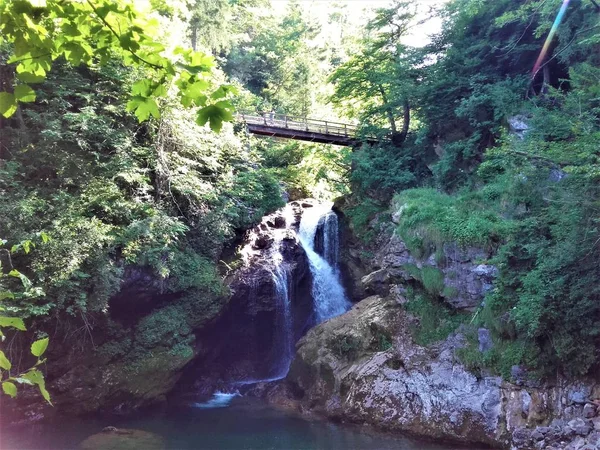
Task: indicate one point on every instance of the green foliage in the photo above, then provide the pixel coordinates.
(436, 320)
(361, 217)
(280, 63)
(31, 376)
(500, 359)
(96, 32)
(429, 219)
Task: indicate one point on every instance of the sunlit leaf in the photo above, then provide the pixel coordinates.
(39, 347)
(4, 362)
(9, 388)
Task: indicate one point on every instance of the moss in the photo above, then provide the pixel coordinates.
(430, 218)
(430, 277)
(114, 349)
(346, 346)
(449, 292)
(436, 320)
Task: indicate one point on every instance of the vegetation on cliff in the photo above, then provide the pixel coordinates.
(103, 150)
(496, 157)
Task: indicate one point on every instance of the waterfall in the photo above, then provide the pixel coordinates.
(328, 294)
(331, 239)
(284, 322)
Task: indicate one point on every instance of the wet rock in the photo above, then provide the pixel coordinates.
(252, 321)
(112, 438)
(376, 282)
(277, 222)
(262, 241)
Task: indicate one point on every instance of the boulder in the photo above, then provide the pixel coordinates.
(364, 367)
(376, 282)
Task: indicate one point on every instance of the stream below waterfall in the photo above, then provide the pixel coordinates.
(222, 423)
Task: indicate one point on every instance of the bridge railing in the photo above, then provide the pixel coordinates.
(299, 124)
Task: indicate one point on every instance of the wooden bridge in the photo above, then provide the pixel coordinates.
(301, 129)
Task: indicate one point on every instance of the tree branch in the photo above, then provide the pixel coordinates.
(118, 36)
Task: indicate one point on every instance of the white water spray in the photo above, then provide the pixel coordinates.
(328, 293)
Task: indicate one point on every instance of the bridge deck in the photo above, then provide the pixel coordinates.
(301, 129)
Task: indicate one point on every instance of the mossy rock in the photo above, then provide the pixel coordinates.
(112, 438)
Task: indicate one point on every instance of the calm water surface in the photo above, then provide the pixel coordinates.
(223, 423)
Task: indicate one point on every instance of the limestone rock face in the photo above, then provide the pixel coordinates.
(466, 277)
(365, 367)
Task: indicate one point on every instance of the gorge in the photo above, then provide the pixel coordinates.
(297, 224)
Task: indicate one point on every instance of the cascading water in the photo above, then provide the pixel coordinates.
(284, 317)
(331, 239)
(328, 294)
(289, 282)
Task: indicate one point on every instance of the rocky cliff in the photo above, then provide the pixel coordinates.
(367, 367)
(129, 357)
(250, 341)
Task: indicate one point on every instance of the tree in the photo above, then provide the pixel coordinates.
(94, 32)
(279, 64)
(377, 82)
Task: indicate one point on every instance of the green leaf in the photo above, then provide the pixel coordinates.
(24, 93)
(37, 3)
(196, 89)
(23, 381)
(29, 77)
(223, 91)
(13, 322)
(36, 377)
(9, 389)
(6, 294)
(141, 88)
(216, 115)
(8, 105)
(4, 362)
(143, 108)
(27, 244)
(39, 347)
(24, 280)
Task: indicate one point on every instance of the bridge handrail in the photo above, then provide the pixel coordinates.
(299, 123)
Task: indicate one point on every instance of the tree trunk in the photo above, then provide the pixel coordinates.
(194, 36)
(406, 119)
(388, 111)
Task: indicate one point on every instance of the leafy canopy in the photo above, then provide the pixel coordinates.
(95, 32)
